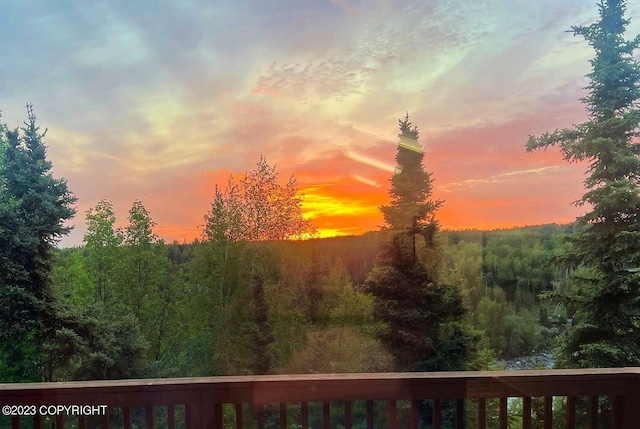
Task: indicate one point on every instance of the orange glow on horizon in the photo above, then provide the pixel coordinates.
(352, 208)
(342, 228)
(341, 196)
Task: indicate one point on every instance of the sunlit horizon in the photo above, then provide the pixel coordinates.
(374, 221)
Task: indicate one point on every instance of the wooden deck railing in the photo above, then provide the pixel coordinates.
(592, 398)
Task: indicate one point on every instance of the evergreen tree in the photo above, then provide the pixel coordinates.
(411, 187)
(33, 208)
(422, 318)
(606, 331)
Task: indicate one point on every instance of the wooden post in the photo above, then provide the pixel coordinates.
(627, 410)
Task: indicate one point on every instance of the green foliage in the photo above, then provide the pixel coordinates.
(98, 347)
(33, 209)
(102, 247)
(145, 290)
(511, 334)
(607, 325)
(230, 306)
(143, 264)
(214, 313)
(339, 349)
(261, 335)
(521, 261)
(254, 208)
(490, 317)
(212, 320)
(20, 362)
(72, 280)
(501, 274)
(134, 324)
(463, 265)
(349, 307)
(343, 332)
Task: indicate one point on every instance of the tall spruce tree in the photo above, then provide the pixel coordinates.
(422, 318)
(33, 208)
(606, 296)
(411, 204)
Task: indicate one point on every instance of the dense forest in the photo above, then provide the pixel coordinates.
(320, 318)
(245, 299)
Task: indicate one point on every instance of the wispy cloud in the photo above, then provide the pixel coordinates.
(139, 98)
(499, 178)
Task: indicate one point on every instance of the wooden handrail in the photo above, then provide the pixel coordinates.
(203, 397)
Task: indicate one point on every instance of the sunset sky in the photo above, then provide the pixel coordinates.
(161, 100)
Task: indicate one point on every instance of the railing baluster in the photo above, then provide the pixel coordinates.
(188, 416)
(60, 421)
(482, 413)
(305, 415)
(200, 415)
(149, 414)
(630, 412)
(460, 414)
(218, 416)
(415, 418)
(37, 421)
(437, 414)
(593, 412)
(616, 405)
(260, 415)
(326, 415)
(239, 416)
(571, 412)
(369, 414)
(393, 414)
(504, 418)
(283, 415)
(126, 417)
(15, 422)
(347, 415)
(526, 412)
(171, 417)
(82, 422)
(548, 412)
(105, 420)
